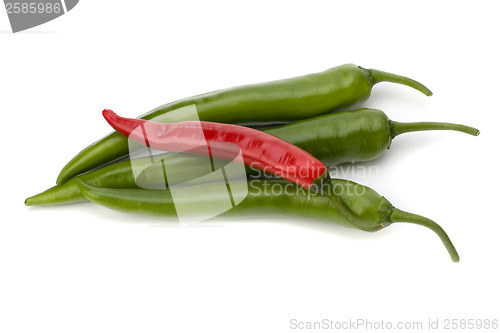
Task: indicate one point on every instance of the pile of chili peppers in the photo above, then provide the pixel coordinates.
(297, 154)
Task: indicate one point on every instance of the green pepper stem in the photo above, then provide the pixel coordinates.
(402, 216)
(400, 128)
(380, 76)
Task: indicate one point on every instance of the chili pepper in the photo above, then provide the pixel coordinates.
(258, 149)
(277, 101)
(347, 136)
(371, 211)
(353, 136)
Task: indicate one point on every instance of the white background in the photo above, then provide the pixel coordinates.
(83, 268)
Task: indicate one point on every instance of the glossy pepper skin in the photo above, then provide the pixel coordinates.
(265, 198)
(347, 136)
(283, 100)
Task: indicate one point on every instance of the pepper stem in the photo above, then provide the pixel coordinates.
(402, 216)
(380, 76)
(400, 128)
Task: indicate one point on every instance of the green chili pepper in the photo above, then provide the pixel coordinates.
(353, 136)
(348, 136)
(370, 210)
(284, 100)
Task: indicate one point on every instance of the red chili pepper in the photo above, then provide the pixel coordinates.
(259, 150)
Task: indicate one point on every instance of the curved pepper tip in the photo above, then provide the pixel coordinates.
(108, 113)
